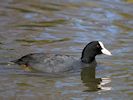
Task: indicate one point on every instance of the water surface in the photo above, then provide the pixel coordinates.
(66, 26)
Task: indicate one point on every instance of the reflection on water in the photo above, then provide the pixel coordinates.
(66, 27)
(88, 77)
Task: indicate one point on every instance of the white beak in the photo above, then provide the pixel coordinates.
(104, 50)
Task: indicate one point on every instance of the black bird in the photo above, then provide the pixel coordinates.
(54, 63)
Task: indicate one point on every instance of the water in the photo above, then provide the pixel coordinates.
(66, 27)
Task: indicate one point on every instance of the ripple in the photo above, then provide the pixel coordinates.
(43, 23)
(41, 41)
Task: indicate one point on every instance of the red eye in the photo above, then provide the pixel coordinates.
(98, 46)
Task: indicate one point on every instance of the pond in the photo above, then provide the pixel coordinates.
(66, 26)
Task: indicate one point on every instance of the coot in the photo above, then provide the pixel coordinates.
(53, 63)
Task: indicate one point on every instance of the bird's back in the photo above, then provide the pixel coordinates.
(48, 62)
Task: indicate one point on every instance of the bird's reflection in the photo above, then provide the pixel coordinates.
(88, 77)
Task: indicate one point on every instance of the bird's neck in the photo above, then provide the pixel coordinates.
(87, 59)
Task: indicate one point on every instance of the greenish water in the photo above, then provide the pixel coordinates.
(66, 26)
